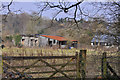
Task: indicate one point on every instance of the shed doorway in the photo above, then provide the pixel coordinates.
(50, 43)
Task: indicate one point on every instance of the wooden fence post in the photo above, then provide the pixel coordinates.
(78, 66)
(1, 65)
(104, 65)
(81, 64)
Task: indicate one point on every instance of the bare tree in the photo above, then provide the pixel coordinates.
(112, 11)
(8, 8)
(9, 11)
(66, 7)
(71, 8)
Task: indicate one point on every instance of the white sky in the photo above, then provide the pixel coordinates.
(30, 7)
(58, 0)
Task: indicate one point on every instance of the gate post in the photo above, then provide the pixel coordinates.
(1, 65)
(78, 66)
(104, 66)
(81, 64)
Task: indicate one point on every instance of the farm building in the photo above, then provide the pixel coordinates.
(102, 40)
(56, 41)
(99, 42)
(47, 40)
(29, 40)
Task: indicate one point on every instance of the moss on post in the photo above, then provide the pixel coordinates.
(104, 65)
(81, 64)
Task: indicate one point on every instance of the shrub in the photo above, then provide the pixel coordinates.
(17, 39)
(9, 38)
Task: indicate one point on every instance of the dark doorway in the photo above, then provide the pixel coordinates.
(50, 43)
(74, 44)
(35, 42)
(31, 42)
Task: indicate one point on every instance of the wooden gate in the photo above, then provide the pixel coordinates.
(106, 68)
(45, 67)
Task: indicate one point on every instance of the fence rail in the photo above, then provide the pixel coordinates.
(105, 66)
(35, 57)
(113, 57)
(78, 60)
(40, 66)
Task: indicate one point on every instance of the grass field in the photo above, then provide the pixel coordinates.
(48, 52)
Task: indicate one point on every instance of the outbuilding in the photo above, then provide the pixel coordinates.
(56, 41)
(47, 41)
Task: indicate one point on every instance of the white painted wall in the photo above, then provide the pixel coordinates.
(26, 41)
(43, 41)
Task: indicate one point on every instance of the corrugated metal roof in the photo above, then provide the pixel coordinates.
(101, 38)
(57, 38)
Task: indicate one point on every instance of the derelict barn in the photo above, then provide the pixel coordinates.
(47, 40)
(29, 40)
(56, 41)
(52, 41)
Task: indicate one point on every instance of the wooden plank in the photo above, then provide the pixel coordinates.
(31, 65)
(81, 64)
(44, 72)
(40, 66)
(14, 69)
(104, 65)
(7, 65)
(78, 66)
(47, 64)
(1, 65)
(113, 62)
(61, 67)
(46, 78)
(114, 73)
(113, 57)
(35, 57)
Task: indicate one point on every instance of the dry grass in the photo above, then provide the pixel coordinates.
(49, 52)
(37, 52)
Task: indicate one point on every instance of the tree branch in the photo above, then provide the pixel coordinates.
(9, 11)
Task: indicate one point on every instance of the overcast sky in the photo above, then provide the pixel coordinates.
(30, 7)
